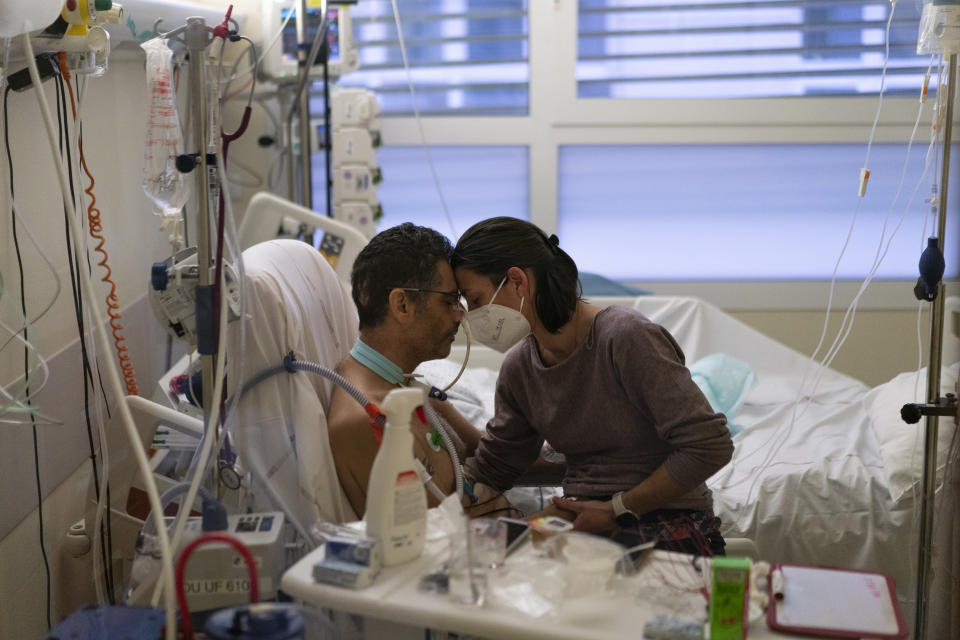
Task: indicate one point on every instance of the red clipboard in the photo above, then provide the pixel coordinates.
(842, 603)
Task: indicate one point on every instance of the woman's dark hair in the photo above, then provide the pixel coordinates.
(402, 256)
(492, 246)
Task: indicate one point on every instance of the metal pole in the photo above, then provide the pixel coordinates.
(197, 37)
(924, 556)
(291, 161)
(327, 136)
(306, 170)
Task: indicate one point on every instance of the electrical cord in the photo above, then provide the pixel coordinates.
(263, 54)
(103, 528)
(419, 120)
(251, 50)
(73, 261)
(17, 404)
(95, 229)
(26, 362)
(113, 376)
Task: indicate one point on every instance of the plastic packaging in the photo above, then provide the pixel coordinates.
(396, 500)
(162, 182)
(591, 561)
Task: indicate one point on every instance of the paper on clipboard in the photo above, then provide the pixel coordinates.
(836, 602)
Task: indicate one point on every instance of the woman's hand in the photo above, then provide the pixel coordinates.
(592, 516)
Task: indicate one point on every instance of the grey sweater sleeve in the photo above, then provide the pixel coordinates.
(510, 445)
(650, 365)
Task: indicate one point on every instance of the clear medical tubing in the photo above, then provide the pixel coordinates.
(376, 415)
(113, 374)
(169, 496)
(442, 427)
(333, 376)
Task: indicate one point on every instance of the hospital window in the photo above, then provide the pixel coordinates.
(747, 211)
(748, 49)
(467, 57)
(476, 182)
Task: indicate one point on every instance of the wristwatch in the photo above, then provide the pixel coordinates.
(621, 513)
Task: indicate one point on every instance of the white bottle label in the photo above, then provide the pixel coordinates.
(408, 503)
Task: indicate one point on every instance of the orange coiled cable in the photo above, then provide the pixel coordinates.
(96, 232)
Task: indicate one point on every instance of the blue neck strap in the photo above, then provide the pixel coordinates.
(376, 362)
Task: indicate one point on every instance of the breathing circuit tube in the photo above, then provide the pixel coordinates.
(377, 417)
(172, 494)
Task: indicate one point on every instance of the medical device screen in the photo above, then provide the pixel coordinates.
(313, 23)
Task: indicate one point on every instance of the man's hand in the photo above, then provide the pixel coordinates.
(592, 516)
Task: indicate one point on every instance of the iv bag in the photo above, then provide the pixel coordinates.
(939, 27)
(163, 183)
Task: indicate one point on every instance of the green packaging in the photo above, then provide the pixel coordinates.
(729, 600)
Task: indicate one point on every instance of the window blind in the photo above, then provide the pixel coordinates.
(467, 57)
(765, 48)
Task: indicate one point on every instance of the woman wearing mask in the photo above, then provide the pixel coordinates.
(606, 387)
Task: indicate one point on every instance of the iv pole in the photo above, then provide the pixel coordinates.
(933, 380)
(197, 36)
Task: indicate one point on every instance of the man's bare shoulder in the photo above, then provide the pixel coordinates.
(345, 413)
(346, 417)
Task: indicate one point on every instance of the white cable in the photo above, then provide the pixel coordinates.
(419, 120)
(263, 54)
(101, 505)
(90, 343)
(778, 435)
(99, 578)
(466, 356)
(883, 79)
(866, 164)
(16, 404)
(257, 181)
(112, 374)
(846, 327)
(15, 334)
(46, 259)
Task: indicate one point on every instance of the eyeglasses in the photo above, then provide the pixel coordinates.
(452, 297)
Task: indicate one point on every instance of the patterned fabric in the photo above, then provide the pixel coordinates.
(694, 532)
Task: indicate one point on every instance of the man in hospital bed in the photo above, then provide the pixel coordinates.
(409, 310)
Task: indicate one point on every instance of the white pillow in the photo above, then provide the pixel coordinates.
(901, 444)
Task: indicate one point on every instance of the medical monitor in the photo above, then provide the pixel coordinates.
(280, 63)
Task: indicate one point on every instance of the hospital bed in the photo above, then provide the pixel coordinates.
(830, 480)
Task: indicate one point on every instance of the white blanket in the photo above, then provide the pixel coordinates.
(807, 481)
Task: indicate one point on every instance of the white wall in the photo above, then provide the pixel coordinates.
(114, 127)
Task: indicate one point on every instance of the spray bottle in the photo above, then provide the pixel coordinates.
(396, 501)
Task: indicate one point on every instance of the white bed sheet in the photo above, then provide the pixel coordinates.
(822, 499)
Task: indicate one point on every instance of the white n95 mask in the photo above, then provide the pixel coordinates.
(497, 326)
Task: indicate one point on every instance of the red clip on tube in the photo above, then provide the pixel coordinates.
(377, 420)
